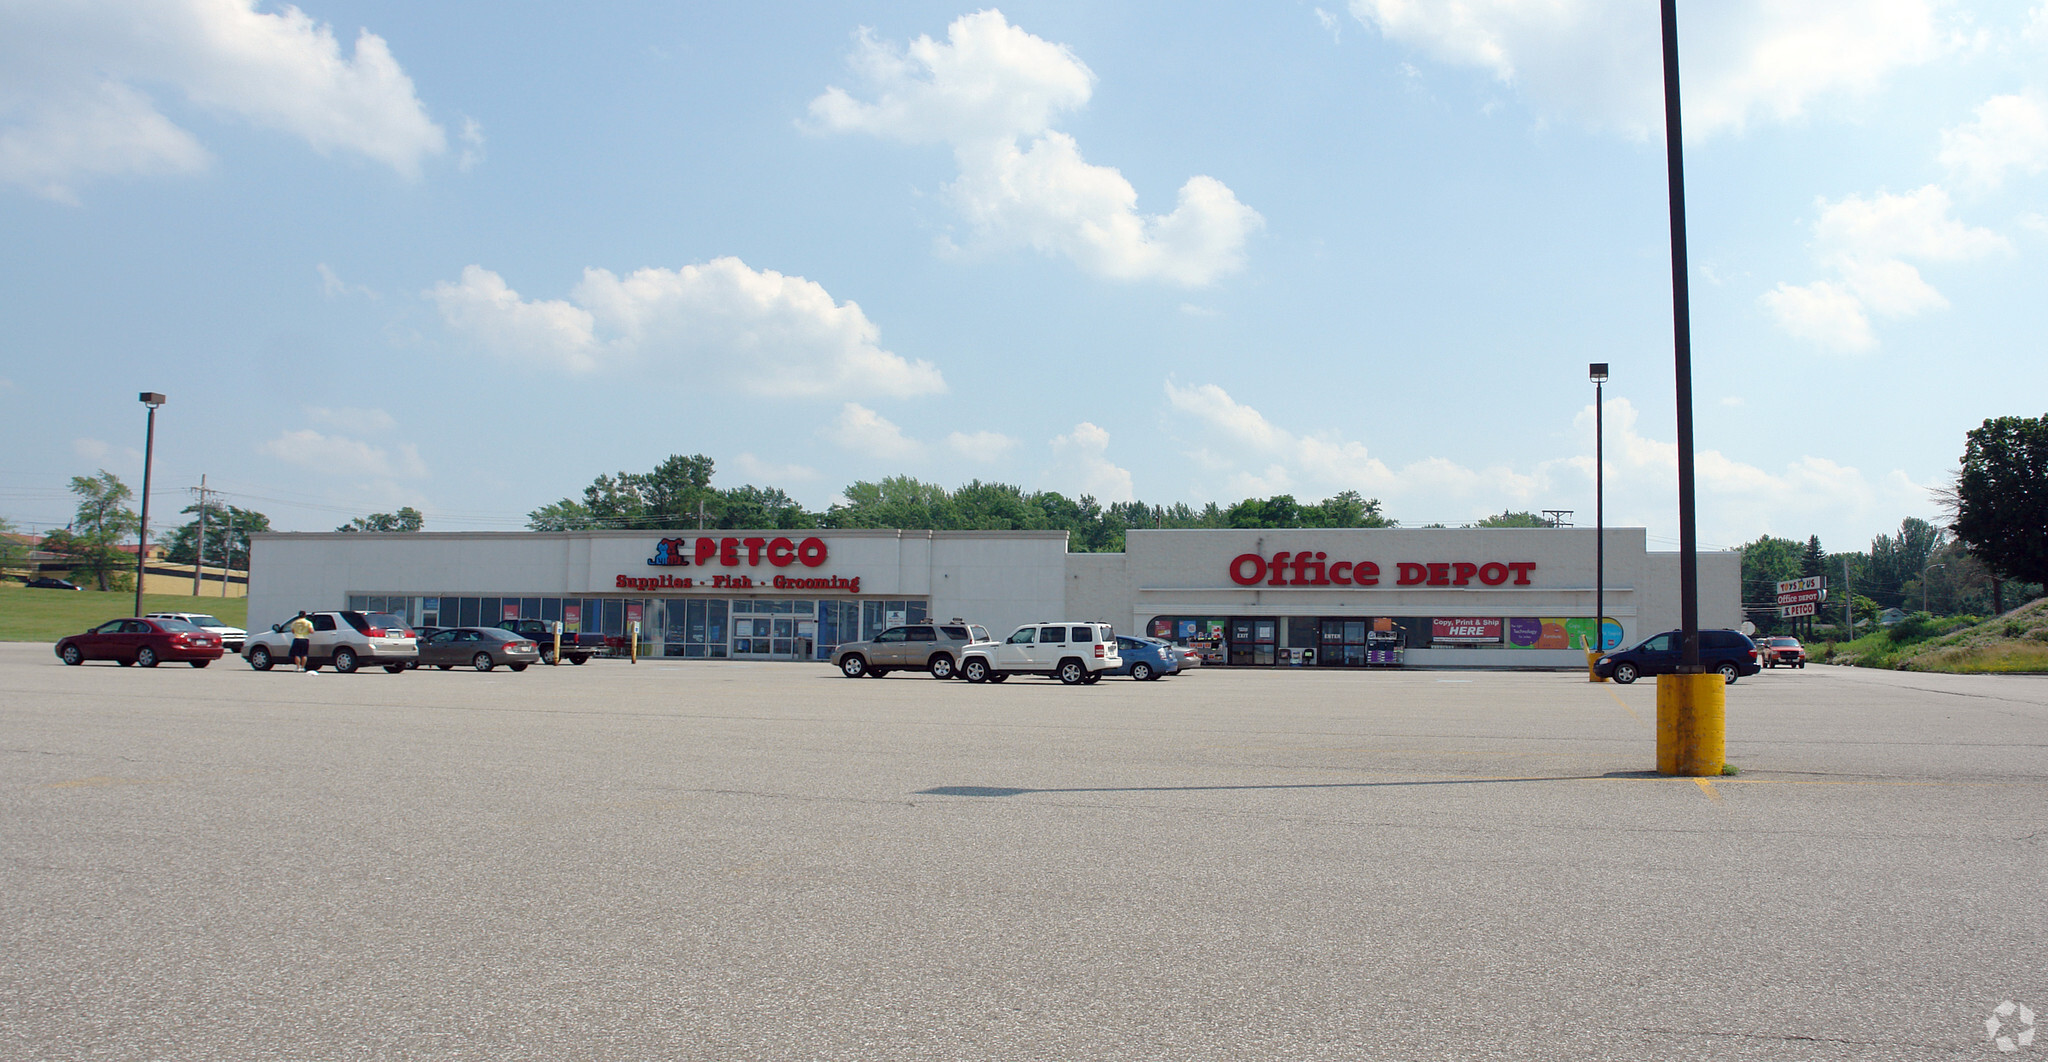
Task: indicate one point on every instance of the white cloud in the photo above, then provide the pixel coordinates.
(332, 286)
(1244, 455)
(91, 449)
(1821, 312)
(868, 434)
(72, 102)
(768, 472)
(1085, 465)
(2009, 135)
(345, 457)
(762, 331)
(980, 445)
(1600, 61)
(1866, 242)
(472, 137)
(987, 87)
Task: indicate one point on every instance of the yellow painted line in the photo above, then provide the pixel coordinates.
(1708, 788)
(1624, 705)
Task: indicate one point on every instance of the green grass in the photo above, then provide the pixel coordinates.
(47, 615)
(2014, 642)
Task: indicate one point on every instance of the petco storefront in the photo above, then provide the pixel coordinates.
(1247, 598)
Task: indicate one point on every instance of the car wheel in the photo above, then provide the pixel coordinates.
(1141, 671)
(396, 669)
(72, 656)
(942, 666)
(146, 656)
(125, 663)
(1728, 673)
(199, 663)
(1072, 673)
(1625, 673)
(579, 660)
(482, 662)
(853, 665)
(877, 672)
(999, 676)
(444, 667)
(1092, 678)
(345, 660)
(259, 659)
(547, 656)
(516, 668)
(975, 670)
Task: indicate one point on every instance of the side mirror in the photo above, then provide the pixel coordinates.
(277, 628)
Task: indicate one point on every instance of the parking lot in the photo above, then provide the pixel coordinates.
(768, 861)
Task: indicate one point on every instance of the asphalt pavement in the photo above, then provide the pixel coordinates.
(767, 861)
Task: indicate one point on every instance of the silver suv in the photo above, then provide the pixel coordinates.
(933, 647)
(1074, 653)
(347, 640)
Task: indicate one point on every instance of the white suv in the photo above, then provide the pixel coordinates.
(1072, 652)
(347, 640)
(231, 637)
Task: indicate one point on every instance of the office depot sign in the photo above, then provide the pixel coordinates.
(1316, 569)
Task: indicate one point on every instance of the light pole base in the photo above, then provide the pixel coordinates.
(1692, 724)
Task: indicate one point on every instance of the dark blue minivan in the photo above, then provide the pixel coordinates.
(1729, 652)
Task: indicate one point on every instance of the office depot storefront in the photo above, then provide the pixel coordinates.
(1309, 598)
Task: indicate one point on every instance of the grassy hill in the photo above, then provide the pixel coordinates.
(46, 615)
(2014, 642)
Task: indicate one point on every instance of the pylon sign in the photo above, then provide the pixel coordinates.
(1801, 597)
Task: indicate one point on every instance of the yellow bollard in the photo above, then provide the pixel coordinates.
(1692, 724)
(1593, 657)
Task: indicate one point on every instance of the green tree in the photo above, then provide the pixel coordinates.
(182, 546)
(1813, 562)
(102, 522)
(898, 501)
(564, 515)
(2001, 497)
(13, 553)
(406, 518)
(1346, 509)
(1765, 563)
(1514, 519)
(762, 507)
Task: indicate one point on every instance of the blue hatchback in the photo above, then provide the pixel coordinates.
(1145, 658)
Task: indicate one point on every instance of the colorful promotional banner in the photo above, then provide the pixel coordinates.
(1576, 632)
(1472, 629)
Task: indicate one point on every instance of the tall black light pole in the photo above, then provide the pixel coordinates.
(1681, 324)
(1598, 372)
(152, 400)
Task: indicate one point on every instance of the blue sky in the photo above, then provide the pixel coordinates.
(466, 257)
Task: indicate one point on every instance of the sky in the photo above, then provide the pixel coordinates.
(467, 257)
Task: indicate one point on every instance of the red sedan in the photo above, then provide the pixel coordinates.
(148, 642)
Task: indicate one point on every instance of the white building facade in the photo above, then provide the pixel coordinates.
(1321, 598)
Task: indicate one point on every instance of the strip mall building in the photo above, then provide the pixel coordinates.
(1322, 598)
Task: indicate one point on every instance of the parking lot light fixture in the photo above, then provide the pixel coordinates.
(152, 400)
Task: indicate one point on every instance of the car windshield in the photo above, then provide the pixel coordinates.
(176, 626)
(385, 619)
(204, 621)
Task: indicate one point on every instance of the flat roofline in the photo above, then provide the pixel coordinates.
(670, 532)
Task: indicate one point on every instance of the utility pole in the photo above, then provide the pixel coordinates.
(227, 566)
(199, 554)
